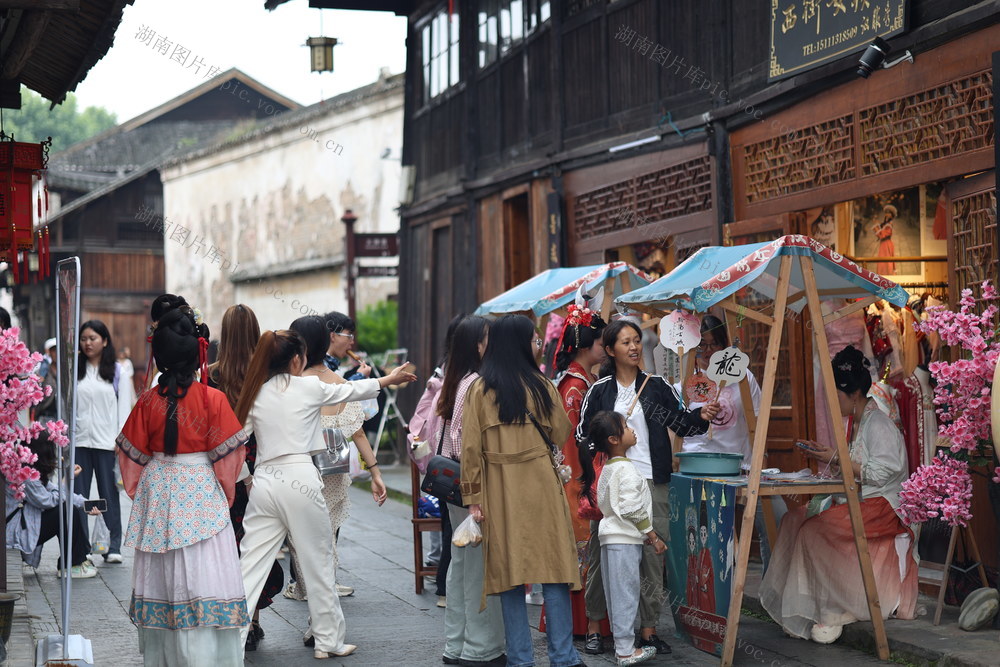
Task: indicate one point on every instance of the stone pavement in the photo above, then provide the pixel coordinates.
(389, 622)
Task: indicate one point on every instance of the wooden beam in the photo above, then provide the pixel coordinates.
(851, 486)
(47, 5)
(756, 462)
(650, 323)
(749, 313)
(849, 309)
(29, 33)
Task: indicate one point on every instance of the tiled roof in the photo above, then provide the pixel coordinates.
(299, 117)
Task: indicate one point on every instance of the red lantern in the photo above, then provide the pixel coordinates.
(20, 163)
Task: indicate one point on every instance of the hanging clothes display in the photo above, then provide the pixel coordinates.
(915, 401)
(849, 330)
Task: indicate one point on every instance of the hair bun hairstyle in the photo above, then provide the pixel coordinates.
(852, 371)
(175, 343)
(164, 303)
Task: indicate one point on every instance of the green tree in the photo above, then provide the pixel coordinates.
(378, 327)
(66, 124)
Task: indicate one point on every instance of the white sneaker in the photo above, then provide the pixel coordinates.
(344, 591)
(113, 558)
(83, 571)
(534, 598)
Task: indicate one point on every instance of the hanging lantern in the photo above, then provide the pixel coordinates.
(321, 53)
(20, 164)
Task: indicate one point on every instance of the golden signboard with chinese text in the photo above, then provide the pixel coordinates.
(808, 33)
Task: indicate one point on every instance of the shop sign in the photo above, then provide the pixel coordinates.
(376, 245)
(808, 33)
(378, 272)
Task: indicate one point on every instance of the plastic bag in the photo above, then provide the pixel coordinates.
(420, 452)
(356, 471)
(101, 538)
(467, 533)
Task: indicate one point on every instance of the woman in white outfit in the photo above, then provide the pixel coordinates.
(286, 496)
(349, 418)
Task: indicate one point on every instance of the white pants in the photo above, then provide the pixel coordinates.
(287, 499)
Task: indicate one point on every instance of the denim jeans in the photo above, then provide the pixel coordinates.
(101, 463)
(558, 627)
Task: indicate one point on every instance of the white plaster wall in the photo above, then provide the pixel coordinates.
(273, 203)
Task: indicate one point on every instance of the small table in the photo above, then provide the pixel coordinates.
(703, 546)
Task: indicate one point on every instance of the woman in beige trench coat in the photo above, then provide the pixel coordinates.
(512, 487)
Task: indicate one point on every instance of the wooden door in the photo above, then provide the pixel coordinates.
(517, 241)
(791, 410)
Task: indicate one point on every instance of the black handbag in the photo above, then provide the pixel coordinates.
(443, 476)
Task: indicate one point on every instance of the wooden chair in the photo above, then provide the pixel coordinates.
(421, 526)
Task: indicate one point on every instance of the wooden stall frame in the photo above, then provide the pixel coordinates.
(847, 485)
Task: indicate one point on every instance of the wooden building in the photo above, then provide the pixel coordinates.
(107, 195)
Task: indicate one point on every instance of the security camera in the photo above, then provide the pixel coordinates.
(874, 58)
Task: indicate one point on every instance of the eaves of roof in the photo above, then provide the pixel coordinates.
(299, 117)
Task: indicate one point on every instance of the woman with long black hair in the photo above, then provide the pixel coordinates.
(180, 453)
(101, 410)
(512, 419)
(472, 636)
(349, 418)
(653, 409)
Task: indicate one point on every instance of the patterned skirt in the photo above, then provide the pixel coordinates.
(196, 588)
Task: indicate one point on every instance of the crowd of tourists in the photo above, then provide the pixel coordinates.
(566, 480)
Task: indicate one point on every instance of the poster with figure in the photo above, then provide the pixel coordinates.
(700, 559)
(934, 225)
(886, 227)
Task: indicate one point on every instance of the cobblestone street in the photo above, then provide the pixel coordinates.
(390, 624)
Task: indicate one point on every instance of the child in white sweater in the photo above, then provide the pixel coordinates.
(624, 499)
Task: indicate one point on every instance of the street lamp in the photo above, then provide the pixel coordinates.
(349, 219)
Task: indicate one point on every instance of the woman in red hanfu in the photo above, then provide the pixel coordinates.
(886, 248)
(181, 451)
(579, 349)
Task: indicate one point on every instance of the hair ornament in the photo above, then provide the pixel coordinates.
(846, 367)
(198, 317)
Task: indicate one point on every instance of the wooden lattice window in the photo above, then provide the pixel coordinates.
(675, 191)
(974, 232)
(954, 118)
(816, 156)
(938, 122)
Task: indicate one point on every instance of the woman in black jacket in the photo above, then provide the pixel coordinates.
(657, 411)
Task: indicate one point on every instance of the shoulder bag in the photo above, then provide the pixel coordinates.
(443, 476)
(336, 459)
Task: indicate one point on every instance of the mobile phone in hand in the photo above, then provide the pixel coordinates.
(805, 445)
(101, 504)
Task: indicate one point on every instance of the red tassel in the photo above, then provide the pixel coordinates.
(39, 207)
(48, 255)
(203, 359)
(451, 8)
(13, 267)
